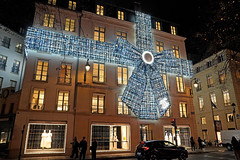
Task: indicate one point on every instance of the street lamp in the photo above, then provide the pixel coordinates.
(87, 68)
(234, 105)
(195, 84)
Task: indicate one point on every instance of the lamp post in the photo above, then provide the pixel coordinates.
(195, 83)
(234, 105)
(87, 68)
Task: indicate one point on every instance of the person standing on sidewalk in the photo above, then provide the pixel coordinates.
(192, 144)
(236, 148)
(200, 143)
(83, 147)
(75, 146)
(93, 148)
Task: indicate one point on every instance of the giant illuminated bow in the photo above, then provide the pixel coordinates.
(145, 93)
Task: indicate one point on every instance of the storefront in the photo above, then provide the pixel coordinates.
(45, 138)
(111, 137)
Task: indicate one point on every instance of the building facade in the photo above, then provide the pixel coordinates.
(216, 99)
(61, 99)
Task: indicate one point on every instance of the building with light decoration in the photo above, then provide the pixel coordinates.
(216, 99)
(110, 74)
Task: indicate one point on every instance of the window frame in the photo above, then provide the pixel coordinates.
(180, 84)
(99, 33)
(70, 25)
(100, 10)
(121, 15)
(97, 105)
(32, 105)
(98, 77)
(67, 71)
(72, 5)
(183, 114)
(64, 108)
(173, 30)
(228, 103)
(121, 77)
(159, 46)
(121, 35)
(176, 51)
(16, 67)
(3, 62)
(48, 20)
(41, 75)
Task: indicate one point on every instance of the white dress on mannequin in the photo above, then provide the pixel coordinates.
(43, 139)
(49, 139)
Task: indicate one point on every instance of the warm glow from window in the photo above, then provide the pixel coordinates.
(122, 75)
(183, 109)
(63, 100)
(37, 99)
(53, 2)
(176, 51)
(48, 20)
(173, 30)
(70, 25)
(203, 120)
(65, 74)
(120, 15)
(98, 72)
(122, 35)
(160, 46)
(180, 84)
(99, 34)
(41, 70)
(201, 103)
(122, 107)
(98, 103)
(158, 26)
(213, 98)
(72, 5)
(226, 98)
(100, 10)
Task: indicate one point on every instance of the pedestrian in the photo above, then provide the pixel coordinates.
(200, 143)
(83, 147)
(93, 148)
(236, 148)
(192, 144)
(75, 146)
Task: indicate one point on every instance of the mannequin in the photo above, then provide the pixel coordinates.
(49, 139)
(44, 139)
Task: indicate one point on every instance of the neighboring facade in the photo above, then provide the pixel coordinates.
(60, 100)
(218, 78)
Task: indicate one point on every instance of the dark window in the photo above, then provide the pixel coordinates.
(6, 42)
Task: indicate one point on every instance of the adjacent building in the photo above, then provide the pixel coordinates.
(216, 99)
(61, 99)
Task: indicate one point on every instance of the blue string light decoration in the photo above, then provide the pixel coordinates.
(145, 93)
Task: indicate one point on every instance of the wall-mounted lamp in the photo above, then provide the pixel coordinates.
(195, 84)
(87, 68)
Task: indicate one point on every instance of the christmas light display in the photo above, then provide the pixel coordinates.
(145, 93)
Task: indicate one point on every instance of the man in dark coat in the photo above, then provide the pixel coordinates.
(75, 146)
(94, 148)
(192, 144)
(83, 147)
(200, 143)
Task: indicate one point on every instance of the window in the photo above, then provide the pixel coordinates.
(183, 109)
(222, 76)
(213, 98)
(158, 25)
(160, 46)
(122, 107)
(48, 20)
(180, 84)
(165, 80)
(210, 80)
(98, 103)
(111, 137)
(220, 58)
(176, 51)
(98, 72)
(3, 61)
(65, 74)
(203, 120)
(99, 34)
(63, 101)
(173, 30)
(122, 35)
(70, 25)
(45, 138)
(100, 10)
(121, 15)
(226, 98)
(1, 82)
(198, 69)
(72, 5)
(122, 75)
(16, 66)
(204, 134)
(37, 99)
(201, 103)
(53, 2)
(199, 87)
(6, 42)
(5, 135)
(41, 70)
(209, 64)
(19, 48)
(168, 112)
(230, 117)
(13, 84)
(145, 132)
(216, 118)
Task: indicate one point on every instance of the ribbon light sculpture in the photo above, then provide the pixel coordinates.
(145, 93)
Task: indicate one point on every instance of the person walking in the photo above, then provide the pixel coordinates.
(75, 146)
(236, 148)
(200, 143)
(93, 148)
(192, 144)
(83, 147)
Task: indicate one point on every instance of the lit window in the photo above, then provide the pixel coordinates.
(122, 107)
(72, 5)
(168, 112)
(122, 35)
(121, 15)
(216, 118)
(165, 80)
(199, 87)
(203, 120)
(6, 42)
(19, 48)
(98, 72)
(222, 76)
(160, 46)
(210, 80)
(183, 109)
(5, 135)
(201, 103)
(65, 74)
(41, 70)
(99, 34)
(53, 2)
(122, 75)
(70, 25)
(173, 30)
(176, 51)
(158, 26)
(213, 98)
(229, 117)
(16, 66)
(37, 99)
(13, 84)
(48, 20)
(180, 84)
(98, 103)
(3, 61)
(100, 10)
(145, 132)
(226, 98)
(63, 101)
(204, 134)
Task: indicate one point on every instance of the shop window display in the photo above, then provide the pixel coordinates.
(45, 138)
(111, 137)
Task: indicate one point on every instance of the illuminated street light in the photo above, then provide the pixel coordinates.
(87, 68)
